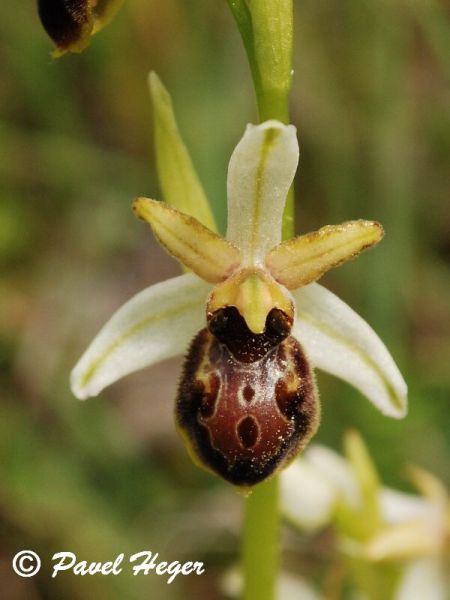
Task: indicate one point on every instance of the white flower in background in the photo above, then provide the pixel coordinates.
(289, 586)
(247, 400)
(421, 536)
(374, 524)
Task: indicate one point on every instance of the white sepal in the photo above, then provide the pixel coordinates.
(400, 507)
(157, 323)
(289, 586)
(307, 498)
(340, 342)
(337, 472)
(423, 578)
(260, 173)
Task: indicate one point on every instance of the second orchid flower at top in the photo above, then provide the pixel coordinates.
(247, 400)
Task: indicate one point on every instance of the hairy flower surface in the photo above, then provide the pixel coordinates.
(247, 400)
(70, 23)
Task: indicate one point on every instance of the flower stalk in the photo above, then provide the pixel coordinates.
(267, 33)
(266, 29)
(260, 549)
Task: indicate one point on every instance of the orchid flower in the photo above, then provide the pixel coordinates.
(70, 23)
(247, 401)
(375, 524)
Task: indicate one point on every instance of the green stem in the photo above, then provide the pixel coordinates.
(273, 105)
(266, 28)
(243, 19)
(260, 543)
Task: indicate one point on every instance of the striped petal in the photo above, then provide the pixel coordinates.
(340, 342)
(260, 173)
(210, 256)
(306, 258)
(156, 324)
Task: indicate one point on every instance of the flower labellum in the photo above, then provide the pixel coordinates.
(247, 401)
(70, 23)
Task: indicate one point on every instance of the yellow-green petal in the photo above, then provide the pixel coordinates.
(210, 256)
(306, 258)
(429, 485)
(406, 540)
(367, 479)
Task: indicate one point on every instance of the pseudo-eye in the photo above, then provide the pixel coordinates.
(247, 401)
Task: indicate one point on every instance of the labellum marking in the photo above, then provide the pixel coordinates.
(248, 392)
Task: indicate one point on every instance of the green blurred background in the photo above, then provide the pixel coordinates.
(110, 475)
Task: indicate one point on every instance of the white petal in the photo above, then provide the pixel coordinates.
(157, 323)
(289, 586)
(339, 341)
(399, 507)
(336, 470)
(423, 579)
(307, 498)
(260, 173)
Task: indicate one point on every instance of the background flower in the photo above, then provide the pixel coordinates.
(395, 543)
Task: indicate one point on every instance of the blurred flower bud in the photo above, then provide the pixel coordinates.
(70, 23)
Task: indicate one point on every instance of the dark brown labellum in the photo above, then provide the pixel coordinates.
(66, 21)
(229, 327)
(247, 403)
